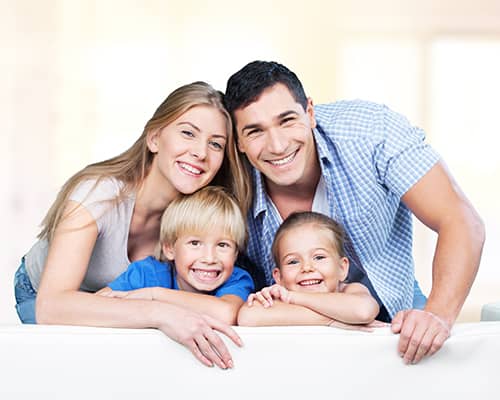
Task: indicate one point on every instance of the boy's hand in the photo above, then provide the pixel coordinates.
(138, 294)
(267, 294)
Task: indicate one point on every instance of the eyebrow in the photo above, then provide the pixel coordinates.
(190, 124)
(222, 136)
(278, 117)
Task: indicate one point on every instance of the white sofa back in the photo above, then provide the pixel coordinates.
(63, 362)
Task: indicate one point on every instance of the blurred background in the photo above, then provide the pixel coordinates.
(80, 78)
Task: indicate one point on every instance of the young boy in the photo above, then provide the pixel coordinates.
(200, 237)
(310, 271)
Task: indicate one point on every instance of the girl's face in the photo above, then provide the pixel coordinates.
(309, 261)
(190, 150)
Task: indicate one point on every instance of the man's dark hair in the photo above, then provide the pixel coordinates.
(246, 85)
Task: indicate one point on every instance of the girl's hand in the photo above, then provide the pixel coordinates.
(267, 294)
(363, 328)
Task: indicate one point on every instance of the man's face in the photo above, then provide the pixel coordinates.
(276, 135)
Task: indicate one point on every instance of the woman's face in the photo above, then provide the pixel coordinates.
(190, 150)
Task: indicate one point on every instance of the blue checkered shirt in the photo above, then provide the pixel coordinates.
(369, 156)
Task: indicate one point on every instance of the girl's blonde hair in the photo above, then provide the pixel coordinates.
(198, 213)
(321, 221)
(132, 166)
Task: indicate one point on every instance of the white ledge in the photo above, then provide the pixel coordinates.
(68, 362)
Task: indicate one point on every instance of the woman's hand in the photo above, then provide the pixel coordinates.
(199, 334)
(267, 294)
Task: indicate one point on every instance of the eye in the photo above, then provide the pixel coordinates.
(224, 245)
(287, 120)
(291, 261)
(187, 133)
(319, 257)
(253, 132)
(216, 145)
(194, 243)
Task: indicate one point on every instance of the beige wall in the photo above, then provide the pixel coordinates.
(80, 78)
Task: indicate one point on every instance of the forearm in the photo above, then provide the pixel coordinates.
(455, 264)
(79, 308)
(219, 308)
(279, 314)
(344, 307)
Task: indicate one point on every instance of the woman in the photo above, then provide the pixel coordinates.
(108, 215)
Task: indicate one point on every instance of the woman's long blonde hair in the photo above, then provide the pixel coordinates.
(133, 165)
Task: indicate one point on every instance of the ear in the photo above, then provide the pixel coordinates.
(277, 275)
(152, 138)
(168, 250)
(344, 267)
(310, 112)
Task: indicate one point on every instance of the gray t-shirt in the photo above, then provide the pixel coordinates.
(109, 257)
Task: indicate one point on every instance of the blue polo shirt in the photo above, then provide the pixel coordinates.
(150, 272)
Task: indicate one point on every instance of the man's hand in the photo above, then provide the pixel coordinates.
(421, 333)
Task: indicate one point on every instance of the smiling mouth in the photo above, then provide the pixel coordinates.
(204, 275)
(310, 282)
(283, 161)
(190, 169)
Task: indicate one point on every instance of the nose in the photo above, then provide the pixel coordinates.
(307, 267)
(209, 255)
(277, 142)
(199, 150)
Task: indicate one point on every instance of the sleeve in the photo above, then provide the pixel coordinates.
(134, 277)
(96, 196)
(240, 284)
(401, 156)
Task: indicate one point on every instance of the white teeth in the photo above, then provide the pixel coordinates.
(283, 160)
(189, 168)
(206, 274)
(310, 282)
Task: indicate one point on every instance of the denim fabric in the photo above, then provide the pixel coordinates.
(419, 299)
(25, 296)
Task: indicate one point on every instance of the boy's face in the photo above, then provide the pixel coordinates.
(275, 133)
(308, 261)
(202, 262)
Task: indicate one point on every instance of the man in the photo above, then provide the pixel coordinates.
(368, 168)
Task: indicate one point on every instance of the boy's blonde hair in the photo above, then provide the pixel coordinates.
(321, 221)
(199, 213)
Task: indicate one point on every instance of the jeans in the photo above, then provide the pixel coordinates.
(419, 299)
(25, 296)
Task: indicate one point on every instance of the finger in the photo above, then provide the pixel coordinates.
(266, 293)
(438, 341)
(397, 321)
(415, 340)
(425, 345)
(378, 324)
(251, 299)
(262, 299)
(225, 329)
(199, 355)
(207, 343)
(405, 333)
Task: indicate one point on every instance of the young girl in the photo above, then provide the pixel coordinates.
(200, 237)
(108, 214)
(310, 269)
